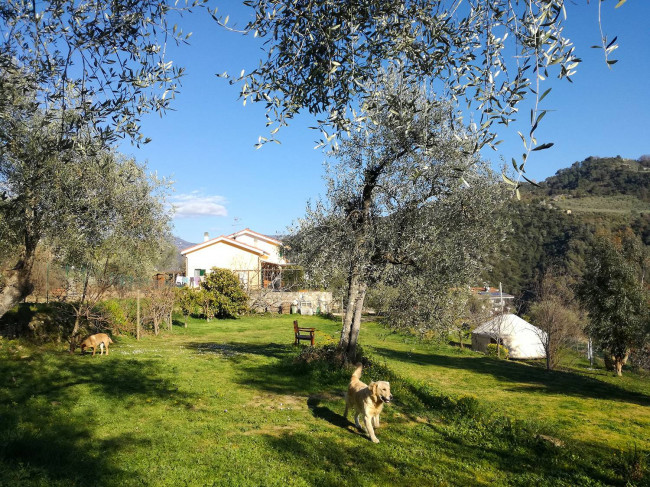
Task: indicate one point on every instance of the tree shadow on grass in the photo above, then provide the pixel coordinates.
(425, 455)
(429, 437)
(553, 382)
(46, 439)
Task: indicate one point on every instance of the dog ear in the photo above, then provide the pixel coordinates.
(373, 389)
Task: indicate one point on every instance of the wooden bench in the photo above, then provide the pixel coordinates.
(300, 333)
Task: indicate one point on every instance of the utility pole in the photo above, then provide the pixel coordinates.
(137, 314)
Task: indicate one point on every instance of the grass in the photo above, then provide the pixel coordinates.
(223, 403)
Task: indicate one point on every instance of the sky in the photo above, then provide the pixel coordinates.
(223, 184)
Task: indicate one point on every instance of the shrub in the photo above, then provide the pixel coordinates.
(632, 465)
(186, 301)
(468, 406)
(160, 303)
(492, 351)
(205, 300)
(39, 323)
(115, 313)
(230, 299)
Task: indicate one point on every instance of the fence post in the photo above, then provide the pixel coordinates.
(169, 322)
(137, 314)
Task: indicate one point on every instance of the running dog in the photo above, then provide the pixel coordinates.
(367, 401)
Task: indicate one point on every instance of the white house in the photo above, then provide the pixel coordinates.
(499, 300)
(254, 257)
(523, 340)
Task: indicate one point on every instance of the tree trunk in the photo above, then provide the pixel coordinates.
(351, 351)
(353, 291)
(619, 367)
(18, 285)
(79, 311)
(619, 362)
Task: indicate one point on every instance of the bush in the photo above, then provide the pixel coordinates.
(468, 406)
(186, 301)
(230, 299)
(632, 465)
(330, 354)
(492, 351)
(116, 315)
(39, 323)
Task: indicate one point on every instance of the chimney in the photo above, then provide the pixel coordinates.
(206, 236)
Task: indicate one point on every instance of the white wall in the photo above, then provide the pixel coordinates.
(221, 255)
(271, 249)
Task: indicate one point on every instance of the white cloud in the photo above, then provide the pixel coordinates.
(197, 204)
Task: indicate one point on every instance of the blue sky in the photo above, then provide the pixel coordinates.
(223, 184)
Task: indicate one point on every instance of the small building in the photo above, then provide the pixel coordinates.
(499, 300)
(257, 259)
(523, 340)
(259, 262)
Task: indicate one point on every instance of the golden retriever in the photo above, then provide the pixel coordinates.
(367, 401)
(100, 340)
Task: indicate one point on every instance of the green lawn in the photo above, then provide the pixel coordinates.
(223, 403)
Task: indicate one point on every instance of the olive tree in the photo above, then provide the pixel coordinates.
(112, 223)
(96, 209)
(408, 204)
(615, 300)
(105, 60)
(323, 56)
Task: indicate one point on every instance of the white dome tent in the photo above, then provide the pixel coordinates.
(523, 340)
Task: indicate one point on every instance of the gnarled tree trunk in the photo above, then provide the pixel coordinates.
(18, 285)
(351, 351)
(619, 362)
(353, 291)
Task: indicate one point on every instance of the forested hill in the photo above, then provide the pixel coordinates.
(554, 224)
(603, 176)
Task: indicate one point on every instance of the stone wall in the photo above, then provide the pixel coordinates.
(303, 302)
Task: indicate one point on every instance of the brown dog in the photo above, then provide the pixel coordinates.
(367, 401)
(100, 340)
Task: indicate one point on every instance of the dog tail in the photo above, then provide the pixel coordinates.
(357, 372)
(109, 340)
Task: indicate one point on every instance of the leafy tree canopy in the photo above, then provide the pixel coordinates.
(103, 59)
(408, 204)
(88, 205)
(617, 303)
(324, 56)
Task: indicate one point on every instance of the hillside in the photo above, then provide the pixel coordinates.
(181, 244)
(554, 224)
(602, 176)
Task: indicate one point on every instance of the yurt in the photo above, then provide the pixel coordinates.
(523, 340)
